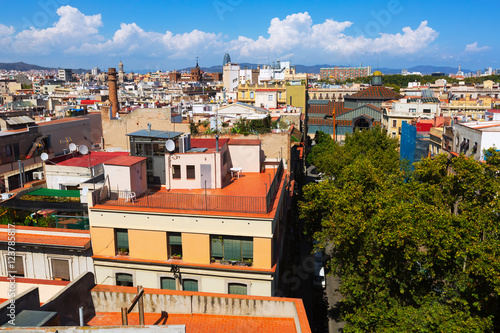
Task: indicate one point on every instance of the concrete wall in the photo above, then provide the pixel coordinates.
(209, 280)
(246, 157)
(114, 130)
(103, 241)
(196, 248)
(37, 262)
(107, 301)
(127, 178)
(69, 299)
(273, 145)
(150, 245)
(46, 291)
(204, 224)
(57, 175)
(216, 171)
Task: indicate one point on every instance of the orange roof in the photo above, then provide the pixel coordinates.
(125, 160)
(36, 281)
(201, 322)
(219, 323)
(49, 240)
(244, 142)
(248, 185)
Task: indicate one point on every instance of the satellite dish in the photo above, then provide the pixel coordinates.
(83, 149)
(72, 147)
(44, 156)
(85, 190)
(170, 145)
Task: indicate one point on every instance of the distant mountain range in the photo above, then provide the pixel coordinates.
(315, 69)
(21, 66)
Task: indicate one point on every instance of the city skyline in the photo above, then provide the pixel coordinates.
(165, 36)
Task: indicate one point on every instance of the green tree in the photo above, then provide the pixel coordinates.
(415, 251)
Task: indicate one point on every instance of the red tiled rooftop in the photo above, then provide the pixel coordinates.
(207, 143)
(201, 322)
(125, 160)
(374, 93)
(244, 142)
(78, 160)
(41, 239)
(254, 186)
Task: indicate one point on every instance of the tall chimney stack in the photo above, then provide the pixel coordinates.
(113, 92)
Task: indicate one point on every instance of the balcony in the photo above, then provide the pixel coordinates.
(252, 193)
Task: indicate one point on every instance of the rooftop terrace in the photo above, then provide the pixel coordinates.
(253, 193)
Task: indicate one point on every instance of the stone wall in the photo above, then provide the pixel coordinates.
(114, 130)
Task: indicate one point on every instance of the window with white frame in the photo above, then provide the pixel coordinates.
(60, 269)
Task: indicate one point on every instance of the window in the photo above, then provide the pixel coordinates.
(189, 285)
(243, 94)
(167, 283)
(8, 150)
(123, 279)
(175, 244)
(18, 266)
(190, 172)
(176, 170)
(232, 248)
(427, 110)
(394, 123)
(413, 110)
(279, 95)
(237, 289)
(270, 98)
(60, 269)
(251, 94)
(122, 240)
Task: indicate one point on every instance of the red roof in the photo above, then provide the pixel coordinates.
(207, 143)
(200, 322)
(374, 93)
(125, 160)
(93, 158)
(54, 240)
(88, 101)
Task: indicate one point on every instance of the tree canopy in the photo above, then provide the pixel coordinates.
(416, 250)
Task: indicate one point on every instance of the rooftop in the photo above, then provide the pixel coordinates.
(155, 134)
(48, 237)
(252, 194)
(483, 126)
(125, 160)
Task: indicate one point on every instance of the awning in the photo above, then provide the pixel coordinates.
(21, 120)
(47, 192)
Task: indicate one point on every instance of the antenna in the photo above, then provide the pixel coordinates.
(83, 149)
(170, 145)
(72, 147)
(44, 156)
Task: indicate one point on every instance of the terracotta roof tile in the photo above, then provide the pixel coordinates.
(38, 239)
(374, 93)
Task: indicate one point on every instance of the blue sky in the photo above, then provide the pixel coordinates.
(165, 35)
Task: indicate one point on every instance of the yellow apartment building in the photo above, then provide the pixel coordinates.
(215, 225)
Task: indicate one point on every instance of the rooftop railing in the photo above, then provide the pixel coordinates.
(188, 201)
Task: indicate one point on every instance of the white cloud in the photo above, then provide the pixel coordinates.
(131, 39)
(296, 35)
(474, 48)
(72, 28)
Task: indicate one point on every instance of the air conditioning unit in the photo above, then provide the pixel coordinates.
(38, 175)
